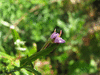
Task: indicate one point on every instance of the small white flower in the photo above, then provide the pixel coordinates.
(21, 49)
(19, 42)
(12, 27)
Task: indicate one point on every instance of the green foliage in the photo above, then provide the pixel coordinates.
(34, 21)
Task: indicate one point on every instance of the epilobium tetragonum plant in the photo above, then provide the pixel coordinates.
(54, 38)
(26, 62)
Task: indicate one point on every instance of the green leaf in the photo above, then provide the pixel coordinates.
(30, 67)
(44, 52)
(30, 62)
(33, 49)
(15, 34)
(2, 54)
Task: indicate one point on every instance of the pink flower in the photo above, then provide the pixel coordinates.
(56, 37)
(59, 40)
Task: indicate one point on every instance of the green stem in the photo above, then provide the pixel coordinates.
(46, 44)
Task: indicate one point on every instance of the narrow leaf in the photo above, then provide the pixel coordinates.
(30, 69)
(44, 52)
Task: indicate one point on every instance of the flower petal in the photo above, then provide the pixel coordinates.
(59, 40)
(54, 35)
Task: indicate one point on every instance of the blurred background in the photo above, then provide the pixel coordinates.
(35, 20)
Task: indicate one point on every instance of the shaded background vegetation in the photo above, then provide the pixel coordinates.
(35, 21)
